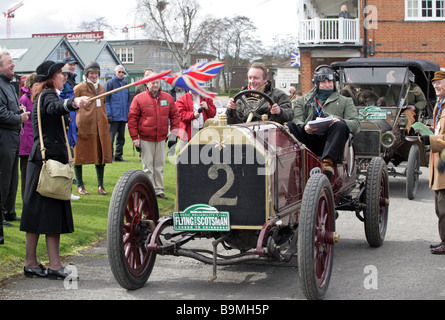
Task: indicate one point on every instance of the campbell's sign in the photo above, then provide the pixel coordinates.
(95, 35)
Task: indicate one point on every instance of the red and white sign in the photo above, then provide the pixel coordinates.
(74, 36)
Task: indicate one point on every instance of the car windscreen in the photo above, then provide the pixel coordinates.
(370, 75)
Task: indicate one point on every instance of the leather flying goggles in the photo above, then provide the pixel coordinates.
(323, 77)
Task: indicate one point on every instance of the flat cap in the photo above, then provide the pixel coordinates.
(439, 75)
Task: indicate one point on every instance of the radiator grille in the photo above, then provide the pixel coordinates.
(367, 143)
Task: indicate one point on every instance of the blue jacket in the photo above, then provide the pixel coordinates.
(68, 93)
(117, 104)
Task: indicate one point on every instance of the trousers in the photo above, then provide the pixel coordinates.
(9, 171)
(440, 212)
(328, 145)
(153, 161)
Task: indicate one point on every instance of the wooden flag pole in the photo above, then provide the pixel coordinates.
(145, 80)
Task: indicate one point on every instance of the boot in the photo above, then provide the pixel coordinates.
(328, 168)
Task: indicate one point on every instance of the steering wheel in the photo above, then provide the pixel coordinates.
(250, 102)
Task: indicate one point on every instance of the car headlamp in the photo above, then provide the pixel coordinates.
(388, 139)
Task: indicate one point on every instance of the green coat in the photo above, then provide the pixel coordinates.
(336, 106)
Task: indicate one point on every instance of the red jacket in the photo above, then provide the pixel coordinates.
(185, 107)
(149, 118)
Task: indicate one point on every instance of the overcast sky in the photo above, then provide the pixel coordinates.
(52, 16)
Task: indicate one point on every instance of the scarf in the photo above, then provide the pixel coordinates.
(323, 95)
(95, 84)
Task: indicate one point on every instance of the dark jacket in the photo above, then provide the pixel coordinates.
(117, 104)
(52, 108)
(9, 105)
(278, 97)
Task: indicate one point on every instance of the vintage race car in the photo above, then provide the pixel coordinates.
(381, 90)
(252, 188)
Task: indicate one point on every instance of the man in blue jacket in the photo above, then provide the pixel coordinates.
(118, 106)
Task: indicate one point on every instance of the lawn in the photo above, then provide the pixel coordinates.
(90, 214)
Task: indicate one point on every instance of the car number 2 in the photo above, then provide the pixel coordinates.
(218, 197)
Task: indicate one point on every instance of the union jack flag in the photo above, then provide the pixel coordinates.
(195, 76)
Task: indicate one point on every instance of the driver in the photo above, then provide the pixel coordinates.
(323, 101)
(414, 101)
(258, 80)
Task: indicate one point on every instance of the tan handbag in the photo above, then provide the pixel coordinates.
(56, 178)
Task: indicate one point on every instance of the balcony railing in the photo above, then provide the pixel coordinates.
(330, 31)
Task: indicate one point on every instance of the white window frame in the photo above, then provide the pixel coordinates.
(418, 10)
(126, 55)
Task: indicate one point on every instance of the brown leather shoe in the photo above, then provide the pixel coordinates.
(439, 250)
(101, 191)
(81, 190)
(162, 196)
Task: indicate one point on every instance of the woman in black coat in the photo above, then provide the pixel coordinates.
(42, 215)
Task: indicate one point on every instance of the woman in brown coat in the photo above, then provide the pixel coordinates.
(93, 136)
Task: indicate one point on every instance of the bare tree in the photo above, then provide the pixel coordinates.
(97, 25)
(175, 22)
(232, 41)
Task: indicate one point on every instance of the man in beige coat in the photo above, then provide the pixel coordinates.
(437, 142)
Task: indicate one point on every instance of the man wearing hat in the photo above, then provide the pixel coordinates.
(11, 118)
(437, 157)
(70, 64)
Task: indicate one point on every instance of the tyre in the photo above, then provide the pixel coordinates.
(377, 202)
(132, 216)
(412, 171)
(316, 237)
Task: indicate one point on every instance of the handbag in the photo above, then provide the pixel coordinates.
(56, 178)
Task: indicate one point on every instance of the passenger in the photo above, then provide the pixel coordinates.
(323, 101)
(258, 80)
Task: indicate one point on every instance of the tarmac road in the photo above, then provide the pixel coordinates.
(402, 268)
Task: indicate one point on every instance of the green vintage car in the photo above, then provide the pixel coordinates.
(382, 89)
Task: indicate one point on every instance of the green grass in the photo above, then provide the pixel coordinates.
(90, 214)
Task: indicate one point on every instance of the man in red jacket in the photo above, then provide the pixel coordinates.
(148, 124)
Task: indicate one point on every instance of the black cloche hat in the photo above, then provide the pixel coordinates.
(47, 69)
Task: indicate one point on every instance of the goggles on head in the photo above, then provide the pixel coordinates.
(323, 77)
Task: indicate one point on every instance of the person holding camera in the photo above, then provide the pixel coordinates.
(321, 102)
(194, 111)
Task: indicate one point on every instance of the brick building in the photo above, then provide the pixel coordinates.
(375, 29)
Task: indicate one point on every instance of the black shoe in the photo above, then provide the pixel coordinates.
(7, 224)
(39, 272)
(120, 159)
(60, 274)
(14, 218)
